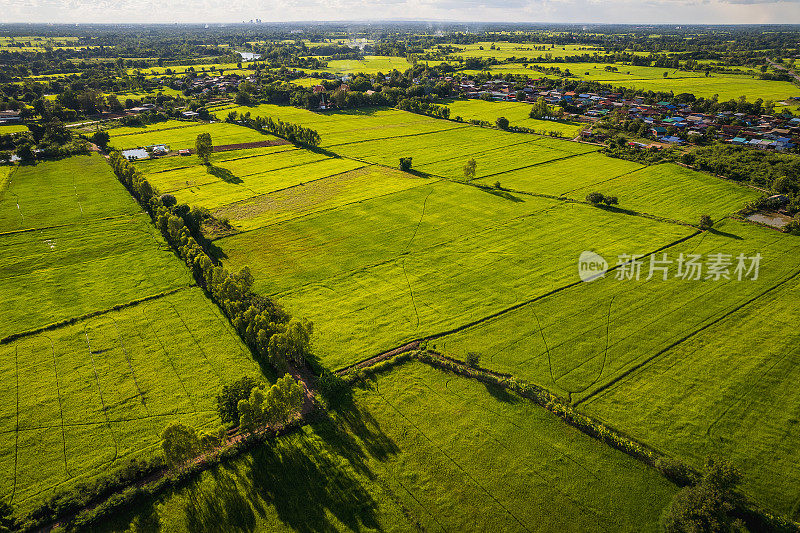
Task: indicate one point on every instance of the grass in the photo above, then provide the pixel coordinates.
(421, 449)
(307, 82)
(230, 188)
(316, 196)
(185, 136)
(368, 65)
(689, 367)
(379, 273)
(728, 391)
(349, 126)
(12, 128)
(726, 86)
(58, 273)
(96, 390)
(72, 190)
(672, 191)
(515, 112)
(565, 175)
(99, 392)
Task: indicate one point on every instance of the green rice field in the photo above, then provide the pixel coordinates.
(515, 112)
(104, 340)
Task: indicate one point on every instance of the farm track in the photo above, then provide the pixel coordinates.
(686, 337)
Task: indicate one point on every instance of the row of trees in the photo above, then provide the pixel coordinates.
(266, 328)
(289, 131)
(257, 405)
(424, 107)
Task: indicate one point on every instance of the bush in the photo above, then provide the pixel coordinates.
(168, 200)
(473, 359)
(610, 200)
(706, 222)
(502, 123)
(595, 198)
(709, 505)
(405, 164)
(231, 395)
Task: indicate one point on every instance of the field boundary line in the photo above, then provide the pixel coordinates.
(100, 392)
(310, 214)
(68, 224)
(16, 429)
(79, 318)
(130, 364)
(415, 342)
(194, 339)
(60, 407)
(569, 156)
(363, 141)
(684, 338)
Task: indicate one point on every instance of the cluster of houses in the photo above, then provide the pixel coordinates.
(666, 122)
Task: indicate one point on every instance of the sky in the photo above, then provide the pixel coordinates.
(572, 11)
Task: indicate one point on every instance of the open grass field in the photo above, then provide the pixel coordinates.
(87, 396)
(54, 274)
(184, 134)
(84, 396)
(421, 450)
(255, 187)
(563, 176)
(730, 390)
(530, 51)
(515, 112)
(307, 82)
(5, 129)
(672, 191)
(726, 86)
(73, 190)
(665, 190)
(379, 273)
(349, 126)
(444, 153)
(617, 344)
(368, 65)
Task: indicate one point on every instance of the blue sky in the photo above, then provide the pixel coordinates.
(580, 11)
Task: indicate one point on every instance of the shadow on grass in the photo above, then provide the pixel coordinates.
(501, 394)
(219, 506)
(307, 483)
(725, 234)
(223, 173)
(505, 195)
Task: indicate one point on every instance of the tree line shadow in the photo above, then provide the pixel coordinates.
(312, 481)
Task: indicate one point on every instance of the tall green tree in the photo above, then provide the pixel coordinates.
(470, 168)
(179, 442)
(274, 406)
(203, 146)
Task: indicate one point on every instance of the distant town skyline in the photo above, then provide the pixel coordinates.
(545, 11)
